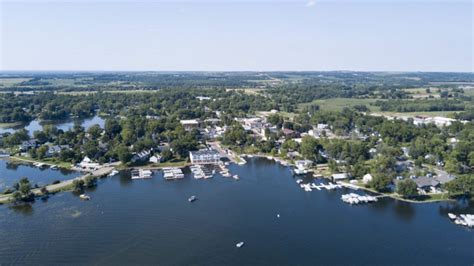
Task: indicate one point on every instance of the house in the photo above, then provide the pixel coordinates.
(205, 156)
(203, 98)
(155, 159)
(367, 178)
(289, 133)
(189, 124)
(56, 149)
(142, 156)
(425, 183)
(303, 164)
(341, 176)
(28, 144)
(88, 164)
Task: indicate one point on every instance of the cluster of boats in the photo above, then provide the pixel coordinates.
(462, 219)
(141, 174)
(353, 198)
(199, 172)
(311, 186)
(171, 173)
(223, 170)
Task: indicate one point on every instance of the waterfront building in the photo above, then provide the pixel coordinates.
(205, 156)
(141, 156)
(155, 159)
(341, 176)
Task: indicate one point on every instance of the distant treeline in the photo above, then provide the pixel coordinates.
(421, 105)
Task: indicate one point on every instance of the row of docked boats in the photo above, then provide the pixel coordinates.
(200, 171)
(171, 173)
(462, 219)
(353, 198)
(308, 187)
(223, 170)
(141, 174)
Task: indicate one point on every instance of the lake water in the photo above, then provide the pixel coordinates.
(151, 222)
(11, 172)
(61, 124)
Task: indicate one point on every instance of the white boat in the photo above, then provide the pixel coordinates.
(452, 216)
(240, 244)
(236, 177)
(114, 172)
(192, 198)
(84, 197)
(54, 167)
(298, 181)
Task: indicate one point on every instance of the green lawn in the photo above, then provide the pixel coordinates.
(337, 104)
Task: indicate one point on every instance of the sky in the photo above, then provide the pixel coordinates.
(238, 35)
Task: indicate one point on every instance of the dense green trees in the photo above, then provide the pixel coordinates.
(461, 186)
(407, 188)
(22, 190)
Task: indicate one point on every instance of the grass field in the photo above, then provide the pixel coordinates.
(5, 82)
(337, 104)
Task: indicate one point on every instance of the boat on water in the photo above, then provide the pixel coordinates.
(452, 216)
(236, 177)
(54, 167)
(240, 244)
(114, 172)
(192, 198)
(84, 197)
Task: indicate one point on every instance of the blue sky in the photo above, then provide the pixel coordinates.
(383, 35)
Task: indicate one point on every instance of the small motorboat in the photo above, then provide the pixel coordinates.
(236, 177)
(452, 216)
(239, 245)
(54, 167)
(192, 198)
(84, 197)
(114, 172)
(278, 215)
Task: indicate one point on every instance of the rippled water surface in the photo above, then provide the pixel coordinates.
(151, 221)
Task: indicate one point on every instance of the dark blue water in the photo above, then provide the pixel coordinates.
(151, 222)
(11, 172)
(61, 124)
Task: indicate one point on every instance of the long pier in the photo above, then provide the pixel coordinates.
(5, 198)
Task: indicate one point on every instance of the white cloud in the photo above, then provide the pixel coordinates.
(310, 3)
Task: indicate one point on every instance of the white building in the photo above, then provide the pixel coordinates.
(189, 124)
(88, 164)
(340, 176)
(155, 159)
(367, 178)
(207, 156)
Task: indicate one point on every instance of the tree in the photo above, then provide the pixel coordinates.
(407, 188)
(90, 181)
(23, 190)
(463, 185)
(380, 182)
(78, 185)
(166, 155)
(309, 147)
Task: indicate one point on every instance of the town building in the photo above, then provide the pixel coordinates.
(155, 159)
(205, 156)
(190, 124)
(142, 156)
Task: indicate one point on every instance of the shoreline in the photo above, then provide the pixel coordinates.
(105, 170)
